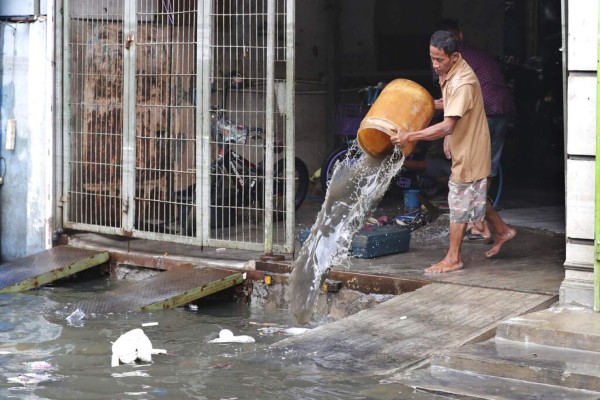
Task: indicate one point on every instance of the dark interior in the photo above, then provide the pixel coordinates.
(530, 56)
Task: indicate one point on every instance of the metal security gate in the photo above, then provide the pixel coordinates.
(179, 120)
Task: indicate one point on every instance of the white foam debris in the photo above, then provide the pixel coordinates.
(226, 336)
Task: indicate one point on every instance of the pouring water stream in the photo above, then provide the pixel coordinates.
(356, 188)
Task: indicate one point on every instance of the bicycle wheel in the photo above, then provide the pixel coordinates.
(300, 182)
(223, 194)
(339, 154)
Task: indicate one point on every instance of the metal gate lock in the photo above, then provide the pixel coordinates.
(129, 40)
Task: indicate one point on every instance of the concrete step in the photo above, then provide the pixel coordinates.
(461, 384)
(568, 328)
(527, 362)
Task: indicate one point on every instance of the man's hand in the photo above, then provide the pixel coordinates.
(400, 138)
(438, 104)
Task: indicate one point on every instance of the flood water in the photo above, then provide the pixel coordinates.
(42, 356)
(356, 188)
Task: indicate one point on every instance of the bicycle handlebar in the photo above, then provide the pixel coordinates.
(372, 92)
(379, 86)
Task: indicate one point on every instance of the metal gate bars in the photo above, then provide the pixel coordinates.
(179, 120)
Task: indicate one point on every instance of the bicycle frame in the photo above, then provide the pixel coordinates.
(228, 134)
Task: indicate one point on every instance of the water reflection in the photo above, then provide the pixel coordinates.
(24, 357)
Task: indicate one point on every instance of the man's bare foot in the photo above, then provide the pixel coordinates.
(444, 266)
(485, 232)
(482, 229)
(499, 242)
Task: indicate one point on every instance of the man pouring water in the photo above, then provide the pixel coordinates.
(467, 143)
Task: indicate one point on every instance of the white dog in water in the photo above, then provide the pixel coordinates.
(131, 346)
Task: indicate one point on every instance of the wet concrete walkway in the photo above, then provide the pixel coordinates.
(532, 262)
(405, 331)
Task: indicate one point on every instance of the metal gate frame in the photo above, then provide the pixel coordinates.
(204, 67)
(210, 44)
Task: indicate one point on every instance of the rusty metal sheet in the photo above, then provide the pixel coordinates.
(47, 266)
(169, 289)
(380, 284)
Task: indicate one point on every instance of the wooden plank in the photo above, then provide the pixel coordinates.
(173, 288)
(406, 330)
(47, 266)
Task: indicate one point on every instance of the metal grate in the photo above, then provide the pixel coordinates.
(94, 118)
(165, 131)
(240, 121)
(164, 97)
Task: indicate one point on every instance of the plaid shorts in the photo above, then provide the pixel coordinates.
(467, 201)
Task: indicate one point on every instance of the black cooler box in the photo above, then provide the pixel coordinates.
(375, 241)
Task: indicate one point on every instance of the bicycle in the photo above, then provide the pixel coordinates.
(230, 166)
(348, 118)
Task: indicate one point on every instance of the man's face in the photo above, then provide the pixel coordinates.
(442, 62)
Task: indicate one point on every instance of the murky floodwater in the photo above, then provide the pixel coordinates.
(356, 187)
(42, 356)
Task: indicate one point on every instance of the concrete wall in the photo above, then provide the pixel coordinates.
(370, 32)
(311, 69)
(26, 196)
(365, 24)
(577, 287)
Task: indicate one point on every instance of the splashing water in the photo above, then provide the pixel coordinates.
(356, 187)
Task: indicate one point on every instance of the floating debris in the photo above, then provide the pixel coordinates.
(281, 330)
(131, 346)
(39, 365)
(221, 366)
(141, 373)
(76, 318)
(295, 331)
(262, 323)
(226, 336)
(34, 379)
